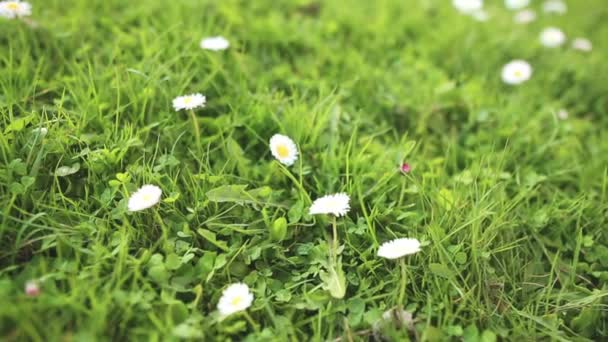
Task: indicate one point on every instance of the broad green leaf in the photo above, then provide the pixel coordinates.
(471, 334)
(17, 166)
(260, 193)
(455, 330)
(172, 197)
(488, 336)
(18, 124)
(239, 194)
(27, 181)
(211, 237)
(114, 183)
(173, 261)
(230, 193)
(187, 257)
(441, 270)
(283, 295)
(123, 177)
(205, 263)
(446, 199)
(432, 334)
(220, 261)
(532, 178)
(460, 258)
(156, 259)
(179, 311)
(356, 309)
(16, 188)
(295, 212)
(159, 274)
(334, 281)
(187, 331)
(586, 321)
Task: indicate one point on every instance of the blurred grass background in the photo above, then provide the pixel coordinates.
(509, 200)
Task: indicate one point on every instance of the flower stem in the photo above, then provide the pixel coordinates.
(400, 301)
(295, 181)
(163, 228)
(255, 326)
(335, 245)
(197, 132)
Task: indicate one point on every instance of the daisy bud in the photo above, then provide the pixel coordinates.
(32, 288)
(278, 231)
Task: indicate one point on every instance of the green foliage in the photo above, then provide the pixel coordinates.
(508, 199)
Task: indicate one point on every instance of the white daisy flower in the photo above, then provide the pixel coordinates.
(552, 37)
(516, 72)
(15, 9)
(525, 16)
(336, 204)
(147, 196)
(480, 15)
(283, 149)
(468, 6)
(396, 317)
(582, 44)
(32, 288)
(189, 102)
(41, 132)
(562, 114)
(555, 6)
(215, 43)
(516, 4)
(235, 298)
(398, 248)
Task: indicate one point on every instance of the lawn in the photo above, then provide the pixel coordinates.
(505, 185)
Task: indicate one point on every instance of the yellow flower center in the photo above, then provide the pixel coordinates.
(187, 100)
(146, 197)
(518, 73)
(282, 151)
(13, 6)
(236, 301)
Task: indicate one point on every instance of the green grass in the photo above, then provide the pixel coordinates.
(508, 200)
